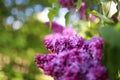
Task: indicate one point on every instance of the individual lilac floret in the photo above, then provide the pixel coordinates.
(92, 17)
(52, 41)
(97, 73)
(95, 47)
(43, 62)
(67, 3)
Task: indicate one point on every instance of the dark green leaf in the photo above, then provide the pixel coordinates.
(51, 1)
(111, 56)
(67, 18)
(79, 2)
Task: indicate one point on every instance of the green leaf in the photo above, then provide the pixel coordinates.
(52, 1)
(102, 17)
(118, 6)
(67, 18)
(116, 1)
(106, 7)
(53, 12)
(117, 27)
(118, 75)
(111, 35)
(56, 5)
(78, 5)
(111, 57)
(51, 15)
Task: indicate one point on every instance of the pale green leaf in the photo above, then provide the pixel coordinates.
(106, 7)
(102, 17)
(53, 12)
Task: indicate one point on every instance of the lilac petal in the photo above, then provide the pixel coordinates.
(92, 17)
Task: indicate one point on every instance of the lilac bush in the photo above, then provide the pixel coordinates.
(72, 57)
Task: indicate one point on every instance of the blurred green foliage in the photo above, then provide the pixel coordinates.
(19, 47)
(111, 57)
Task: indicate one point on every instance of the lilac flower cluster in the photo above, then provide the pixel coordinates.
(67, 3)
(75, 58)
(82, 11)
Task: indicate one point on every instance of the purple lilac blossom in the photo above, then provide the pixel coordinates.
(72, 57)
(67, 40)
(97, 73)
(95, 47)
(71, 4)
(92, 17)
(43, 62)
(56, 28)
(67, 3)
(82, 11)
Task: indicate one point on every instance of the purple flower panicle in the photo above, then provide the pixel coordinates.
(72, 57)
